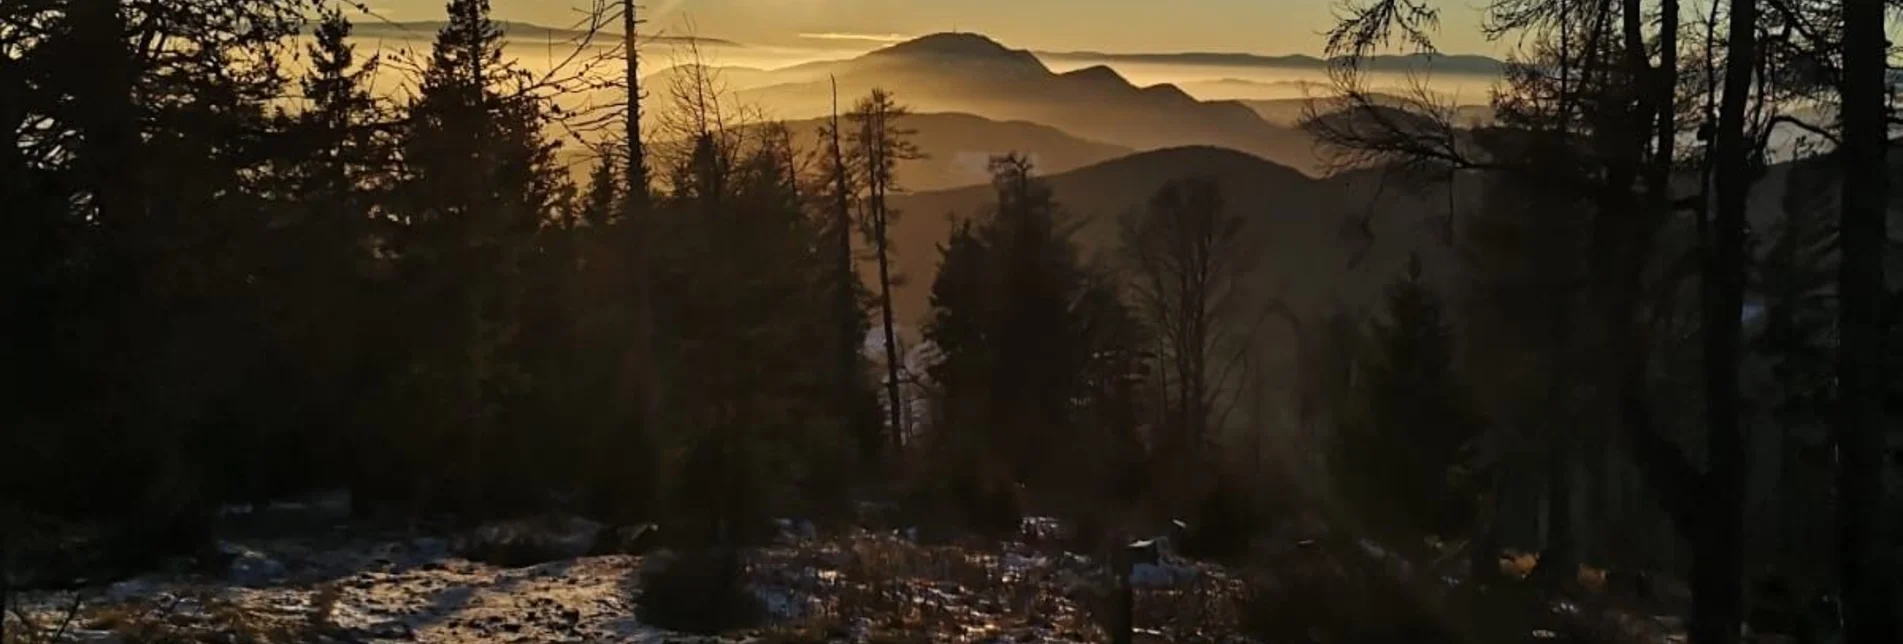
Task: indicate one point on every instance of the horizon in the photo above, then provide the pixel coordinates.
(1052, 321)
(1256, 27)
(888, 40)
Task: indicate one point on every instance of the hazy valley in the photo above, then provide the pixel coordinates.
(822, 324)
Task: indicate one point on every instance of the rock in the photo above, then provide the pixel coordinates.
(519, 543)
(1146, 575)
(627, 540)
(796, 530)
(253, 568)
(429, 548)
(131, 589)
(391, 630)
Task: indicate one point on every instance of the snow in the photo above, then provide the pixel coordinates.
(1145, 575)
(398, 587)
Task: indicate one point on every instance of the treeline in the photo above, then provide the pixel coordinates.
(229, 282)
(232, 282)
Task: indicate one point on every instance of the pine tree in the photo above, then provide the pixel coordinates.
(478, 183)
(1401, 463)
(744, 283)
(322, 299)
(1030, 337)
(144, 184)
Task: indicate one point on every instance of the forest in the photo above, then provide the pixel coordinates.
(1628, 355)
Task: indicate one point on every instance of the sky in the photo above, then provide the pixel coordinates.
(1255, 26)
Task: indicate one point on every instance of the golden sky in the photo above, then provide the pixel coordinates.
(1257, 26)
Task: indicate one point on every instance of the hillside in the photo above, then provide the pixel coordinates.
(1408, 63)
(1313, 252)
(957, 147)
(973, 74)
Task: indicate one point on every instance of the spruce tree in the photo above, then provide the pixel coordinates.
(1032, 341)
(1399, 464)
(478, 183)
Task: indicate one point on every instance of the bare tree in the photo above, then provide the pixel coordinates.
(840, 189)
(879, 143)
(1188, 257)
(639, 228)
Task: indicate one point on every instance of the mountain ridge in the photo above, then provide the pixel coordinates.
(957, 147)
(1456, 63)
(1299, 222)
(974, 74)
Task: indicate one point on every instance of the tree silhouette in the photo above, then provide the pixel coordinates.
(1188, 259)
(1404, 465)
(879, 142)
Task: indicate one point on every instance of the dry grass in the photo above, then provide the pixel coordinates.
(20, 627)
(210, 619)
(701, 592)
(892, 590)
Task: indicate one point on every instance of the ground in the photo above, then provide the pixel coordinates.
(858, 586)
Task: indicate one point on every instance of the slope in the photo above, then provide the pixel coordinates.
(1321, 241)
(973, 74)
(958, 146)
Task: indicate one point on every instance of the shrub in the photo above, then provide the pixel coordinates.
(1336, 595)
(701, 591)
(1223, 524)
(530, 541)
(1320, 598)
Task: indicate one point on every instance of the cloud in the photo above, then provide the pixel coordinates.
(853, 36)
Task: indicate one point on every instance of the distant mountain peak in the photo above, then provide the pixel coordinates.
(1168, 92)
(960, 49)
(956, 44)
(1096, 74)
(951, 43)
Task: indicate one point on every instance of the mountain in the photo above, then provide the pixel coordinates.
(974, 74)
(1443, 63)
(958, 146)
(1315, 247)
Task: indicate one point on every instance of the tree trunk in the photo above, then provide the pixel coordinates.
(1869, 569)
(637, 157)
(1559, 559)
(849, 314)
(641, 373)
(896, 413)
(1717, 568)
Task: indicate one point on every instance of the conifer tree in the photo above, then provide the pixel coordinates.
(1030, 337)
(1397, 462)
(478, 183)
